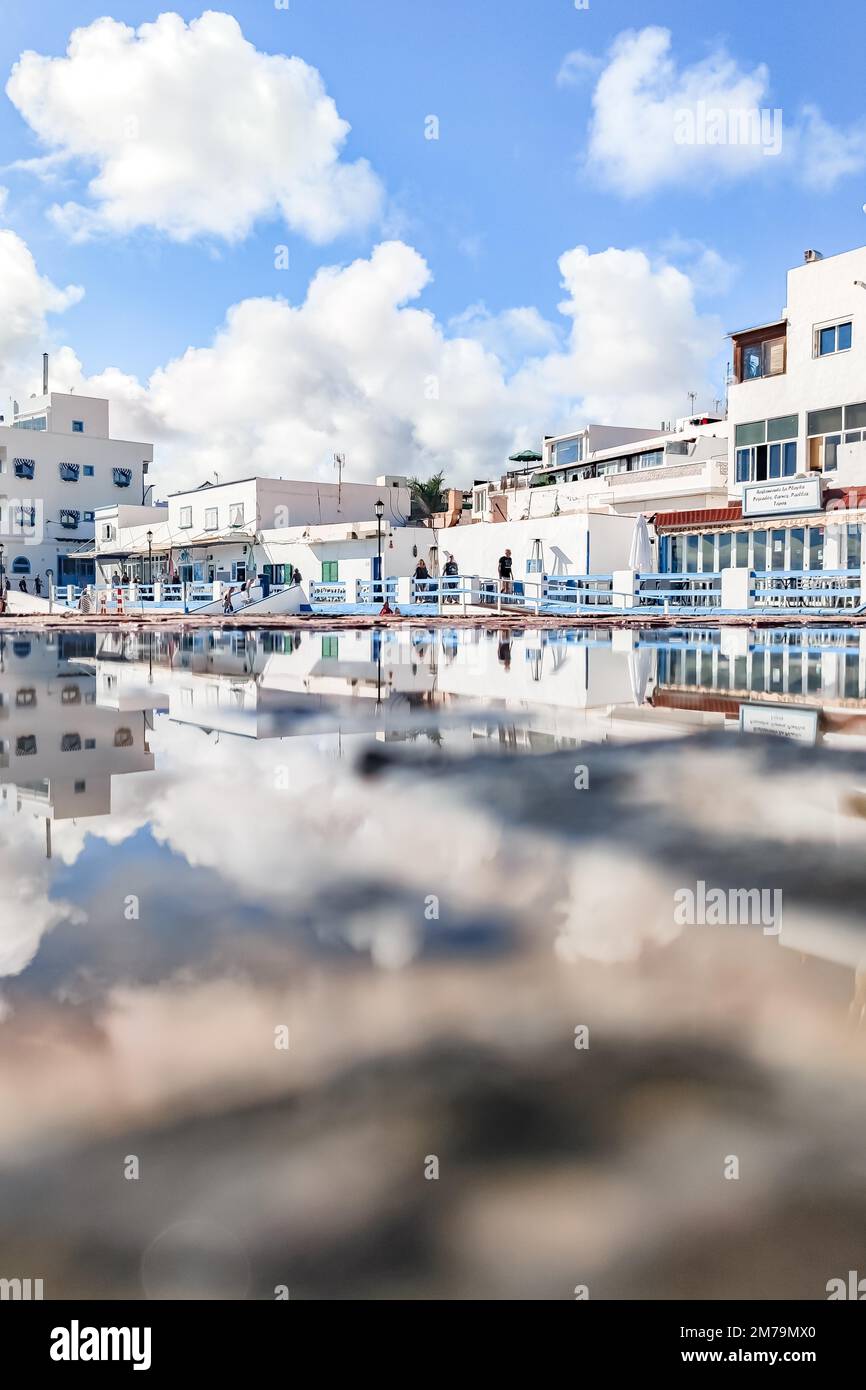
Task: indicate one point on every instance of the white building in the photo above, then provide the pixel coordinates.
(58, 465)
(797, 419)
(223, 532)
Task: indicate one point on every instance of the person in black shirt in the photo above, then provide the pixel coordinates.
(505, 573)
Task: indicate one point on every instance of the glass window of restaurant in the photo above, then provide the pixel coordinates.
(824, 428)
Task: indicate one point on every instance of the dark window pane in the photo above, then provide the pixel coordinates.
(826, 341)
(783, 427)
(744, 457)
(708, 553)
(777, 541)
(854, 547)
(775, 460)
(798, 540)
(691, 554)
(754, 433)
(725, 546)
(843, 337)
(742, 549)
(759, 548)
(824, 421)
(790, 466)
(855, 417)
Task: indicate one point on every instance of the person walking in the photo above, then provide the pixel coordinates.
(296, 575)
(37, 584)
(22, 584)
(227, 601)
(506, 573)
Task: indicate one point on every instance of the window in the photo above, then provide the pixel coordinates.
(741, 549)
(88, 516)
(69, 472)
(824, 428)
(777, 550)
(568, 451)
(708, 553)
(20, 565)
(330, 648)
(330, 571)
(39, 422)
(122, 477)
(69, 518)
(816, 547)
(107, 532)
(236, 514)
(185, 518)
(763, 358)
(797, 547)
(87, 470)
(211, 519)
(24, 468)
(78, 428)
(759, 550)
(651, 460)
(834, 337)
(854, 547)
(691, 554)
(25, 516)
(757, 460)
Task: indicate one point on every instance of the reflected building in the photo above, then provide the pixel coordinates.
(59, 746)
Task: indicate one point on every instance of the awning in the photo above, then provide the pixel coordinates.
(702, 516)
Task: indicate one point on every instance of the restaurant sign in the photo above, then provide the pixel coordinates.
(781, 499)
(801, 725)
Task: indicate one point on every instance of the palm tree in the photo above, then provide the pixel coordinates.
(429, 496)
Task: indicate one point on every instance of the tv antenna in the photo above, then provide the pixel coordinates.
(339, 464)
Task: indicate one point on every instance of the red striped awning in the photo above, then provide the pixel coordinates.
(701, 516)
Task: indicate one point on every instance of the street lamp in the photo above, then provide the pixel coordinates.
(150, 557)
(379, 510)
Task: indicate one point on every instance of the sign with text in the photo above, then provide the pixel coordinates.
(801, 725)
(781, 499)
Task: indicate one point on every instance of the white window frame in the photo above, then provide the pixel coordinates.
(185, 522)
(215, 524)
(836, 324)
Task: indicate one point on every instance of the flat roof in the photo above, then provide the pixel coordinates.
(759, 328)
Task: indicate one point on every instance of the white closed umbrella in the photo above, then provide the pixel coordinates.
(640, 554)
(833, 548)
(640, 661)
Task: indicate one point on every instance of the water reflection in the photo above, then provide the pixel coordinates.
(196, 848)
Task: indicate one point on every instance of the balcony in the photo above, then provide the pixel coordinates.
(760, 352)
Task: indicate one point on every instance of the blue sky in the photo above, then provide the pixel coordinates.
(492, 203)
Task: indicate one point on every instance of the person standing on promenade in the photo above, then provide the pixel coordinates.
(505, 573)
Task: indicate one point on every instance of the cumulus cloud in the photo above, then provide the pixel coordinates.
(193, 132)
(657, 124)
(360, 368)
(27, 299)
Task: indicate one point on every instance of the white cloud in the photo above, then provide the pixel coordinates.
(358, 367)
(27, 298)
(576, 67)
(656, 124)
(193, 132)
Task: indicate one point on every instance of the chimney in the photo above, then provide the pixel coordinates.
(810, 256)
(45, 373)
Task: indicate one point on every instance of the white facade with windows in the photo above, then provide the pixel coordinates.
(223, 532)
(799, 384)
(58, 466)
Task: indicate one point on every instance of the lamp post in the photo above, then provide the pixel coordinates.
(150, 557)
(379, 509)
